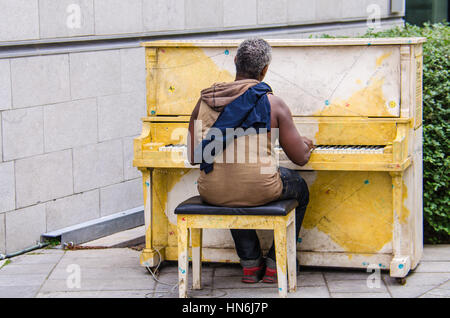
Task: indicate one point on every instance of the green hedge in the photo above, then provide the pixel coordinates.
(436, 97)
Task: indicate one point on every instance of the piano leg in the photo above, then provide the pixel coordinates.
(401, 261)
(149, 256)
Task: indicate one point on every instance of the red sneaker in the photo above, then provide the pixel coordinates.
(252, 275)
(252, 271)
(270, 277)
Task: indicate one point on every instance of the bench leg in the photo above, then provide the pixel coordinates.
(291, 257)
(280, 250)
(196, 235)
(183, 255)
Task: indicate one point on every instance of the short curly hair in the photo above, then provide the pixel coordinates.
(252, 56)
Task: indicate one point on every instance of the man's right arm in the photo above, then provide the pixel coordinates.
(297, 148)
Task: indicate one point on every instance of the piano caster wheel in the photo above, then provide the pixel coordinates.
(401, 280)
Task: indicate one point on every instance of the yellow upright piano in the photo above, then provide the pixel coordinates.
(359, 100)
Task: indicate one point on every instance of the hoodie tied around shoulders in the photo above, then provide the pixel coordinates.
(244, 171)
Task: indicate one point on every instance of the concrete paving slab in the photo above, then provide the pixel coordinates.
(309, 292)
(433, 267)
(167, 286)
(60, 285)
(353, 285)
(172, 279)
(235, 282)
(432, 296)
(169, 292)
(360, 295)
(173, 267)
(417, 284)
(246, 293)
(37, 259)
(22, 280)
(25, 269)
(348, 275)
(18, 291)
(104, 262)
(439, 252)
(107, 273)
(98, 294)
(439, 292)
(310, 279)
(226, 270)
(419, 279)
(408, 292)
(103, 253)
(445, 285)
(112, 273)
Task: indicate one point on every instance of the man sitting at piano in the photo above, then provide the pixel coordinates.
(229, 113)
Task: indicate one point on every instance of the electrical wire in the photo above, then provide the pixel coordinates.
(154, 274)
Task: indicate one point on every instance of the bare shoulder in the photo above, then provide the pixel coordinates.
(278, 105)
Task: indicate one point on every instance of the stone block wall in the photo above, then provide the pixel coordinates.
(72, 92)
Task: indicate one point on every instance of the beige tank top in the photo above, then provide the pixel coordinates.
(245, 174)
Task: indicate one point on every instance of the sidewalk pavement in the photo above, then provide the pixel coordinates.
(116, 272)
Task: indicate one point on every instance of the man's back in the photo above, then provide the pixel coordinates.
(244, 104)
(244, 173)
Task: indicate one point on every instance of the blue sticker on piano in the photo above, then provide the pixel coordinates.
(227, 52)
(400, 266)
(366, 181)
(327, 102)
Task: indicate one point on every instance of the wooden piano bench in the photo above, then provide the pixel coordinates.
(195, 215)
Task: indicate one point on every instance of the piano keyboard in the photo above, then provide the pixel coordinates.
(317, 149)
(349, 149)
(345, 149)
(179, 147)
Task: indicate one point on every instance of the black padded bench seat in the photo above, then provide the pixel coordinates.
(195, 205)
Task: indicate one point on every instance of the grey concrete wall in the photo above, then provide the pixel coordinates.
(68, 116)
(68, 121)
(24, 20)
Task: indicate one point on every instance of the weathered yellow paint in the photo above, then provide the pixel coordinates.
(280, 246)
(164, 233)
(361, 222)
(151, 61)
(353, 208)
(350, 130)
(183, 261)
(178, 92)
(169, 133)
(279, 224)
(353, 131)
(370, 97)
(382, 58)
(235, 221)
(403, 217)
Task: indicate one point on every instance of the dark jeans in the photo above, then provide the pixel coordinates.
(294, 187)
